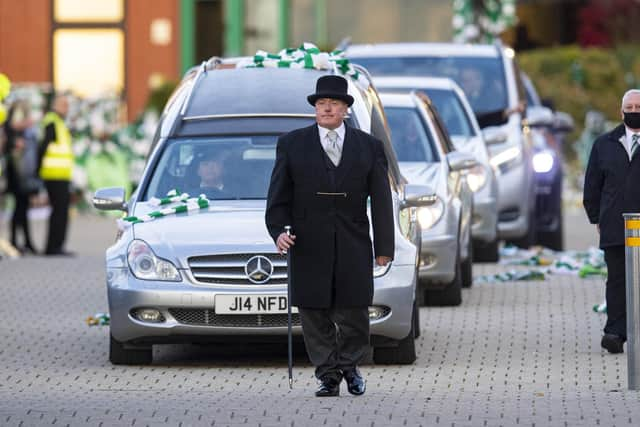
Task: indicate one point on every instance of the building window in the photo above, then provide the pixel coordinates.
(83, 11)
(89, 62)
(88, 46)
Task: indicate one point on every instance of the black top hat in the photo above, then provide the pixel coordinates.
(334, 87)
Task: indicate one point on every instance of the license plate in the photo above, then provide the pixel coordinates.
(252, 304)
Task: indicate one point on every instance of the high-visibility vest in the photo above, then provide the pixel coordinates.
(57, 163)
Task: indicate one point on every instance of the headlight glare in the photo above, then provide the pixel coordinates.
(144, 264)
(428, 216)
(542, 162)
(477, 178)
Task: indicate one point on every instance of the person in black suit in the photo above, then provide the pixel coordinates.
(321, 180)
(611, 189)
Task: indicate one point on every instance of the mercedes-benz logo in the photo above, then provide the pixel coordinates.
(258, 269)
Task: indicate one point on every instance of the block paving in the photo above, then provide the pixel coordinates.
(514, 354)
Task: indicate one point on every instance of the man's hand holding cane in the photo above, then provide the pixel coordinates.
(285, 241)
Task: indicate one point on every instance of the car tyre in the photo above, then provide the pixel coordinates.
(449, 296)
(467, 267)
(552, 239)
(402, 354)
(119, 355)
(416, 320)
(486, 251)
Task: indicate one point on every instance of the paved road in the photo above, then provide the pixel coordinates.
(521, 353)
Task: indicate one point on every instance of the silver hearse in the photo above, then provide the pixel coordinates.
(213, 273)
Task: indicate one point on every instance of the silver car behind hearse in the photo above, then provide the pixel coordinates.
(213, 273)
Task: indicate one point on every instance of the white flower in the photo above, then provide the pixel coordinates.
(471, 32)
(458, 22)
(321, 61)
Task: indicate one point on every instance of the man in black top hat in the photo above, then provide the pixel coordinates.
(321, 180)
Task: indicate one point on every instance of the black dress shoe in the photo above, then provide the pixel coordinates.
(355, 383)
(328, 387)
(612, 343)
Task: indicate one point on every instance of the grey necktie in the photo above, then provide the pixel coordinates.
(635, 140)
(332, 148)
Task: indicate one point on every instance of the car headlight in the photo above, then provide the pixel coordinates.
(477, 177)
(507, 159)
(542, 162)
(379, 271)
(145, 265)
(429, 215)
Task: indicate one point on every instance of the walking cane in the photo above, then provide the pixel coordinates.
(287, 229)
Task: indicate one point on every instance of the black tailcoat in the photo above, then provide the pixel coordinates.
(332, 258)
(611, 186)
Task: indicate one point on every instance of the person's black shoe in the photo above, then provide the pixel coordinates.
(612, 343)
(355, 383)
(328, 387)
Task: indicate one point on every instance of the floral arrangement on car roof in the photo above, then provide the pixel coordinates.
(306, 56)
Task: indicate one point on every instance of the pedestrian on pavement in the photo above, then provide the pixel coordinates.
(56, 167)
(611, 189)
(321, 180)
(20, 151)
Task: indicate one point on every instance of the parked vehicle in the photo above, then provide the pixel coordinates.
(213, 274)
(548, 130)
(426, 156)
(489, 76)
(466, 136)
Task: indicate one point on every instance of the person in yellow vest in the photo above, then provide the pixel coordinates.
(56, 167)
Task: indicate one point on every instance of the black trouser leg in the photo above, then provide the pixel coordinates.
(616, 292)
(19, 219)
(320, 339)
(336, 339)
(353, 336)
(59, 199)
(22, 206)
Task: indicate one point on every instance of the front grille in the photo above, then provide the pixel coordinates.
(206, 317)
(229, 269)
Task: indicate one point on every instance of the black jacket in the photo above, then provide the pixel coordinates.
(332, 258)
(611, 186)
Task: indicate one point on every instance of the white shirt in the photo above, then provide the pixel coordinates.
(626, 140)
(325, 141)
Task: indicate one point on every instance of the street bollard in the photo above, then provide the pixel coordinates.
(632, 276)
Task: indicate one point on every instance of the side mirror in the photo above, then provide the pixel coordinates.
(110, 199)
(494, 135)
(539, 116)
(460, 161)
(563, 122)
(417, 196)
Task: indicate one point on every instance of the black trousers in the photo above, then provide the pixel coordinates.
(19, 220)
(616, 292)
(337, 339)
(59, 199)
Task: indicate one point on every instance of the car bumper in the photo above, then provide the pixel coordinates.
(188, 309)
(438, 259)
(484, 220)
(513, 203)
